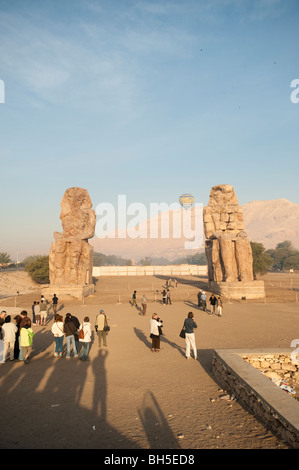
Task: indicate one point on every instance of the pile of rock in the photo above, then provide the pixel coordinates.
(280, 368)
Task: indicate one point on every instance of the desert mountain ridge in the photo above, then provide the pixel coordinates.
(268, 222)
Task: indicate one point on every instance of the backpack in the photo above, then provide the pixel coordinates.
(81, 333)
(30, 336)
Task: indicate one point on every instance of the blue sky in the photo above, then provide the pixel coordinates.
(150, 99)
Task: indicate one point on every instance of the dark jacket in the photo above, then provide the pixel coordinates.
(69, 328)
(189, 324)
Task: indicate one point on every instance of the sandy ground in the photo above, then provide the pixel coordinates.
(127, 397)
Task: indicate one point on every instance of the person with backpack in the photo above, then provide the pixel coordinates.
(85, 339)
(26, 339)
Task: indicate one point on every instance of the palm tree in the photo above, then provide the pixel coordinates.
(4, 259)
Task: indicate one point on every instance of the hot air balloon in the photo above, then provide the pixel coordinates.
(186, 201)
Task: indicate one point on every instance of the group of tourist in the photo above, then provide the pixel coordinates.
(216, 304)
(166, 297)
(40, 310)
(16, 337)
(78, 336)
(156, 325)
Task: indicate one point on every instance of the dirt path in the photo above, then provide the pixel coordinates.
(127, 397)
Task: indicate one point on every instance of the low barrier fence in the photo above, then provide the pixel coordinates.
(170, 270)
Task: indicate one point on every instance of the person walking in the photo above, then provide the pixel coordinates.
(164, 296)
(168, 297)
(26, 338)
(204, 301)
(155, 323)
(134, 303)
(144, 305)
(24, 318)
(55, 303)
(189, 325)
(2, 318)
(9, 330)
(213, 304)
(219, 306)
(37, 313)
(100, 323)
(69, 331)
(86, 340)
(76, 335)
(57, 330)
(43, 313)
(33, 312)
(199, 297)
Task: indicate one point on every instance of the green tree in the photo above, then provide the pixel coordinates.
(292, 262)
(4, 259)
(262, 261)
(29, 259)
(147, 261)
(198, 258)
(99, 259)
(38, 270)
(281, 253)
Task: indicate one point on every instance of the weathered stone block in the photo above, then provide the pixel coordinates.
(228, 249)
(71, 256)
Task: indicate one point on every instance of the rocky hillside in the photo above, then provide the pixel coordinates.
(272, 222)
(267, 222)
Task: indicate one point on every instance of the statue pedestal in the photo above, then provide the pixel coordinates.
(73, 290)
(238, 290)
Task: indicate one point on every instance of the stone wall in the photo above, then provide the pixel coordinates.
(271, 405)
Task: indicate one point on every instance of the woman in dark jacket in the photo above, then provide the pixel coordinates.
(17, 319)
(70, 330)
(189, 325)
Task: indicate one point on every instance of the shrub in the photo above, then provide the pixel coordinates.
(39, 270)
